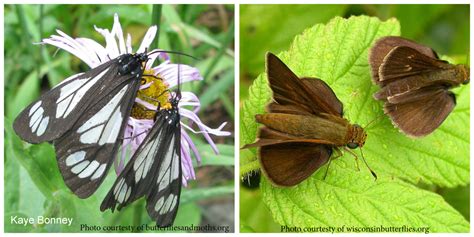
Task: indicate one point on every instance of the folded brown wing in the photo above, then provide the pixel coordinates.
(288, 164)
(404, 61)
(421, 114)
(287, 160)
(384, 45)
(308, 95)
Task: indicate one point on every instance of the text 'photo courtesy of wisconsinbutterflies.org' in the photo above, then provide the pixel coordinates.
(355, 119)
(115, 122)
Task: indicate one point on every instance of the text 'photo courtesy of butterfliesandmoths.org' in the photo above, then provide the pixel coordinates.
(354, 119)
(119, 118)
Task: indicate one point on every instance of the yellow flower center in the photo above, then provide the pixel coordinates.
(157, 94)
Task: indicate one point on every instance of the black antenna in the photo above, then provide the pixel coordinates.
(371, 171)
(178, 93)
(172, 52)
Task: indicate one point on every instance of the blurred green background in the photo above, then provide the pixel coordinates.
(272, 28)
(33, 184)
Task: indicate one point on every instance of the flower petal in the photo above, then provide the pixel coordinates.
(149, 36)
(190, 99)
(191, 144)
(64, 44)
(75, 44)
(169, 72)
(117, 30)
(204, 130)
(110, 43)
(156, 53)
(95, 48)
(129, 44)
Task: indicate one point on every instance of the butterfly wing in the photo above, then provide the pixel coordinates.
(307, 95)
(154, 171)
(402, 62)
(56, 111)
(286, 162)
(418, 114)
(384, 45)
(86, 150)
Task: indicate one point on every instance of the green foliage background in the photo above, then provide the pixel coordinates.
(33, 184)
(423, 180)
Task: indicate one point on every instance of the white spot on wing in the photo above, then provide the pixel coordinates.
(79, 167)
(62, 106)
(142, 166)
(111, 130)
(175, 166)
(98, 173)
(34, 107)
(91, 136)
(159, 204)
(173, 204)
(167, 205)
(165, 165)
(36, 119)
(127, 195)
(122, 193)
(89, 170)
(76, 90)
(35, 124)
(75, 157)
(165, 181)
(42, 127)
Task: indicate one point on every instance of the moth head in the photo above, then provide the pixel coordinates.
(142, 56)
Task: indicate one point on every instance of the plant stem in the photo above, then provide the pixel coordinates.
(225, 42)
(155, 20)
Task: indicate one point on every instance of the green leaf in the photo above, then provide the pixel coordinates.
(458, 198)
(353, 199)
(208, 157)
(275, 27)
(192, 195)
(255, 217)
(337, 53)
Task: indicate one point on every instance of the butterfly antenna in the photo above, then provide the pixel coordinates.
(365, 162)
(373, 120)
(468, 61)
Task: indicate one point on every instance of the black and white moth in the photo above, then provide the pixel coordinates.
(85, 116)
(154, 171)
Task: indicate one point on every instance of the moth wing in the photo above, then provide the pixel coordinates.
(384, 45)
(420, 114)
(86, 150)
(55, 111)
(404, 61)
(153, 172)
(311, 95)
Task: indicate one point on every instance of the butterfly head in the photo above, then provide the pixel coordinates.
(466, 73)
(357, 137)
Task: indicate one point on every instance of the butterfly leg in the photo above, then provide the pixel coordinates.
(355, 157)
(339, 154)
